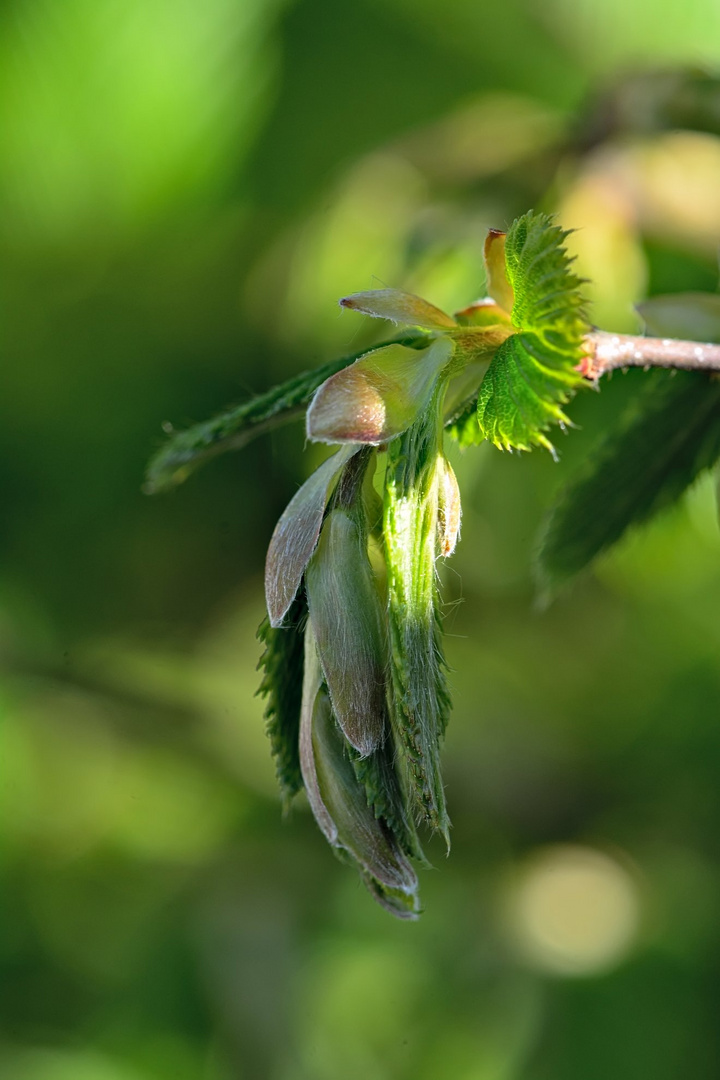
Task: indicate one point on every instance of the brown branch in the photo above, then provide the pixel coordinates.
(605, 352)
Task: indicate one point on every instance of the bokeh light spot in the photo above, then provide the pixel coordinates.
(573, 911)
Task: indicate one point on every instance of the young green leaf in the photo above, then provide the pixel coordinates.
(420, 700)
(533, 372)
(667, 436)
(363, 835)
(282, 673)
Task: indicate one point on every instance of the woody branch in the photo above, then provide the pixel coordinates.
(604, 352)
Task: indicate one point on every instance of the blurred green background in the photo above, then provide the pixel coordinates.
(186, 189)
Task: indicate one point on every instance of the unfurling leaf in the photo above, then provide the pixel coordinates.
(296, 535)
(420, 700)
(533, 372)
(399, 307)
(667, 436)
(379, 396)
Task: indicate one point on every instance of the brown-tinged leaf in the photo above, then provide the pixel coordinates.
(296, 535)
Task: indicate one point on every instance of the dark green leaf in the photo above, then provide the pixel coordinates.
(668, 435)
(186, 450)
(282, 675)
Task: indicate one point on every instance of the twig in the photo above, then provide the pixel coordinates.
(605, 352)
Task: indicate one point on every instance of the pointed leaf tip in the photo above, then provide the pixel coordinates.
(498, 284)
(296, 535)
(399, 307)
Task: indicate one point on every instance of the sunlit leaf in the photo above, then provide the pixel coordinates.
(533, 372)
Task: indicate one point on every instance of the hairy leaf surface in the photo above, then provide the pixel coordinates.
(533, 373)
(420, 699)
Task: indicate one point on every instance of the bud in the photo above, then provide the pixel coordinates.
(379, 396)
(296, 535)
